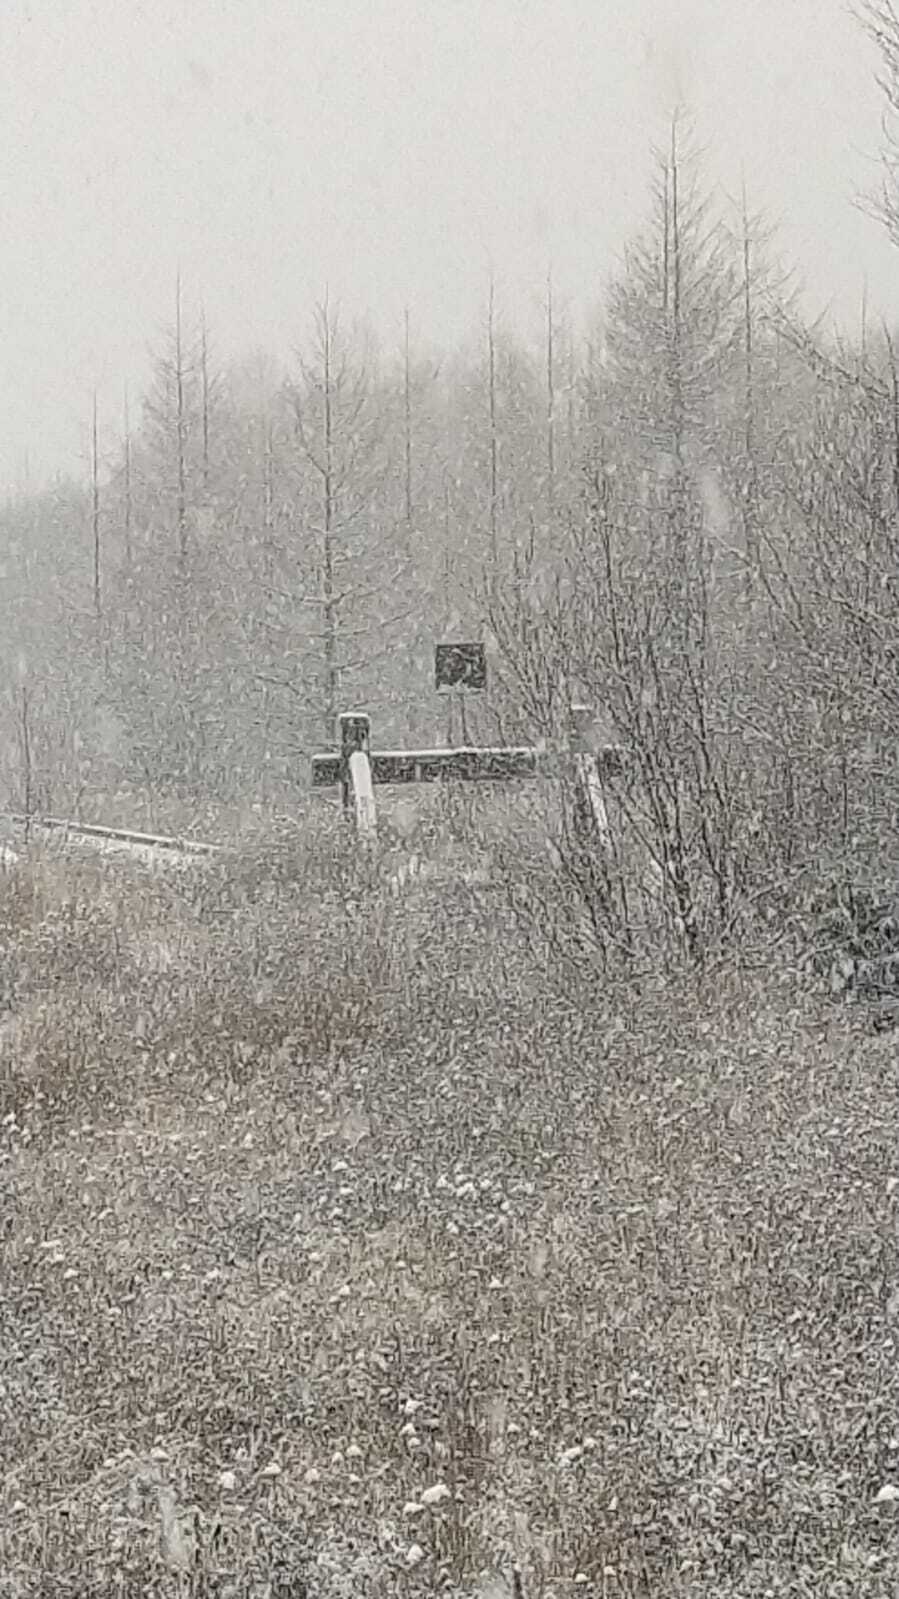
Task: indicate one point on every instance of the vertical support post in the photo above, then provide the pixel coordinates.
(581, 724)
(589, 783)
(462, 717)
(363, 796)
(355, 734)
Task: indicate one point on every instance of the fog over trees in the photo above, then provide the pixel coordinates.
(687, 516)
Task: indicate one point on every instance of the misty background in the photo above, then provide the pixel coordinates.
(395, 151)
(333, 332)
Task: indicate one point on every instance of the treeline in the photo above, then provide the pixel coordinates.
(689, 518)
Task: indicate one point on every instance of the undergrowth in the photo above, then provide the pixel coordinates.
(351, 1246)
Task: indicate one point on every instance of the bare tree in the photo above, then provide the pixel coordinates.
(127, 489)
(407, 422)
(95, 511)
(493, 438)
(27, 755)
(550, 398)
(344, 554)
(172, 427)
(179, 375)
(880, 21)
(204, 400)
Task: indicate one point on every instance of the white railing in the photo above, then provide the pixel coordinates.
(111, 835)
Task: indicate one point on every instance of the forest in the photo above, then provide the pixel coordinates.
(686, 518)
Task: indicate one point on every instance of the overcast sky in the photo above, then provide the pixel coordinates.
(393, 149)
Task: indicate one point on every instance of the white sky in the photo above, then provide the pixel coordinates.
(395, 149)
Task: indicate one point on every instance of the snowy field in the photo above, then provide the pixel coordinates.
(353, 1247)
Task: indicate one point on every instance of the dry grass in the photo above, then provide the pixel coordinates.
(315, 1200)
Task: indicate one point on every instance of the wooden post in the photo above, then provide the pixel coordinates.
(587, 776)
(355, 734)
(581, 725)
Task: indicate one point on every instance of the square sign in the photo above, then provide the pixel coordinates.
(461, 666)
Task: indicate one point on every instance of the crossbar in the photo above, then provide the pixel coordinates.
(463, 764)
(116, 835)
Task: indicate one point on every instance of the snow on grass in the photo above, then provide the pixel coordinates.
(448, 1279)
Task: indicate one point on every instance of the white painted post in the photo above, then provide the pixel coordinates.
(355, 772)
(363, 795)
(355, 733)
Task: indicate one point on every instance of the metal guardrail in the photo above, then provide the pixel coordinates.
(117, 835)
